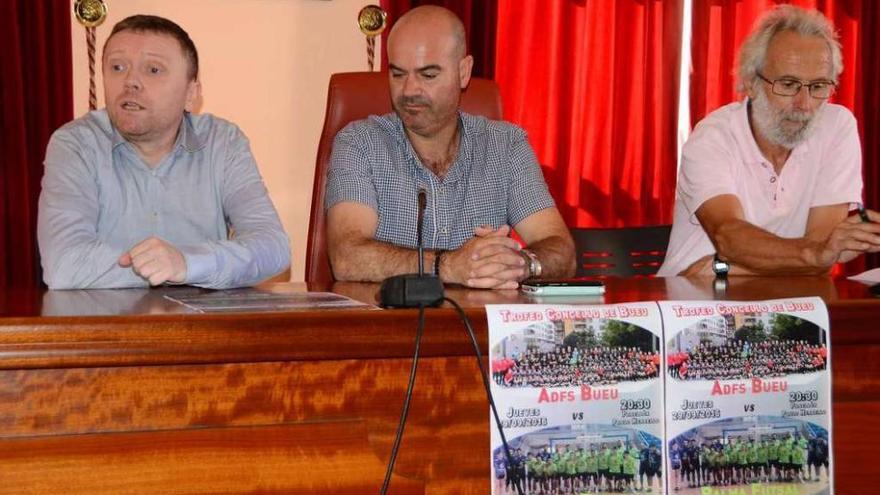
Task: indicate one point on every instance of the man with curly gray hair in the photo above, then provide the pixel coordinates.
(766, 184)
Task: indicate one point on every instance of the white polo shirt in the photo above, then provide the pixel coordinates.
(722, 157)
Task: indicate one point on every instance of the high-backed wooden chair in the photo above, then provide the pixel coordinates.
(353, 96)
(624, 252)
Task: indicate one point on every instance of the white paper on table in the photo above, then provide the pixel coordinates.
(869, 277)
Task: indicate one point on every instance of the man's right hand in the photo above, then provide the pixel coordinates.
(156, 260)
(489, 260)
(850, 238)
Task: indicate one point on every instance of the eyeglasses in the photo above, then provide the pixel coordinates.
(787, 86)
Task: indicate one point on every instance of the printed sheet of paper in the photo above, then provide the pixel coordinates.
(254, 299)
(580, 395)
(748, 397)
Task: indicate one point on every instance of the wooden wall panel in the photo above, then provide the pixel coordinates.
(301, 458)
(447, 421)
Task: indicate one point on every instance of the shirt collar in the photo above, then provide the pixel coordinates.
(187, 138)
(464, 147)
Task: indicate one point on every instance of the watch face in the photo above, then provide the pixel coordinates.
(720, 267)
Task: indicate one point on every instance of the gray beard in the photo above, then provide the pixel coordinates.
(769, 122)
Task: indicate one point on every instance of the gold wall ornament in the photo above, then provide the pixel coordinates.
(90, 13)
(372, 21)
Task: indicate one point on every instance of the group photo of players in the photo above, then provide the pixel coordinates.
(755, 345)
(566, 461)
(572, 353)
(787, 454)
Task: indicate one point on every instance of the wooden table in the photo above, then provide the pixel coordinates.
(125, 392)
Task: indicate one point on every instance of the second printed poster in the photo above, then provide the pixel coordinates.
(748, 396)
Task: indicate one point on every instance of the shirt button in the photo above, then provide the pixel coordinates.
(772, 180)
(443, 231)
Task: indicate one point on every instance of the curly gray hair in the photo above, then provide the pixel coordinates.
(753, 52)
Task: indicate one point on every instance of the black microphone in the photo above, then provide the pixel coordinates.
(413, 290)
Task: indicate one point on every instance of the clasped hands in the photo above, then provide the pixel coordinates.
(489, 260)
(155, 260)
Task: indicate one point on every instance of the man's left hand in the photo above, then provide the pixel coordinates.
(497, 267)
(156, 261)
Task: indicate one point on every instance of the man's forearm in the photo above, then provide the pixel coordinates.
(240, 262)
(91, 265)
(556, 255)
(369, 260)
(758, 252)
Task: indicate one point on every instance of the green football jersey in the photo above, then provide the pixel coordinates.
(615, 461)
(629, 465)
(582, 462)
(784, 454)
(593, 463)
(773, 450)
(753, 453)
(762, 453)
(535, 467)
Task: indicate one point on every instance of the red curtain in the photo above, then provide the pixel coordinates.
(868, 98)
(595, 84)
(478, 16)
(720, 26)
(35, 98)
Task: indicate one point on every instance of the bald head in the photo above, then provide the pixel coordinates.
(430, 23)
(428, 67)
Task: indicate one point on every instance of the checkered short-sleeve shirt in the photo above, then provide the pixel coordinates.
(495, 180)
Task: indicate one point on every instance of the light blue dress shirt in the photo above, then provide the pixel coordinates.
(99, 199)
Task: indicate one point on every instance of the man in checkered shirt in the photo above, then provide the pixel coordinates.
(481, 177)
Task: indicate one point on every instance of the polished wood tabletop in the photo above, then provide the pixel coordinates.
(142, 326)
(121, 391)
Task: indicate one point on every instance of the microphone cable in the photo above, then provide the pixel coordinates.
(406, 401)
(485, 376)
(409, 392)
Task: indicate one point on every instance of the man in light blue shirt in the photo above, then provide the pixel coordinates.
(145, 193)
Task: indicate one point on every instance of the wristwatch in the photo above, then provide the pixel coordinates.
(534, 264)
(721, 268)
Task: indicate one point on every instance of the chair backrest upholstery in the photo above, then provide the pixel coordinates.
(624, 252)
(354, 96)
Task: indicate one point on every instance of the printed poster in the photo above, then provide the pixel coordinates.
(579, 391)
(748, 397)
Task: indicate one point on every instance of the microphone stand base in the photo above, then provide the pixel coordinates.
(411, 291)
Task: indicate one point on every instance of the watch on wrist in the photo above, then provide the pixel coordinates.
(720, 267)
(533, 263)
